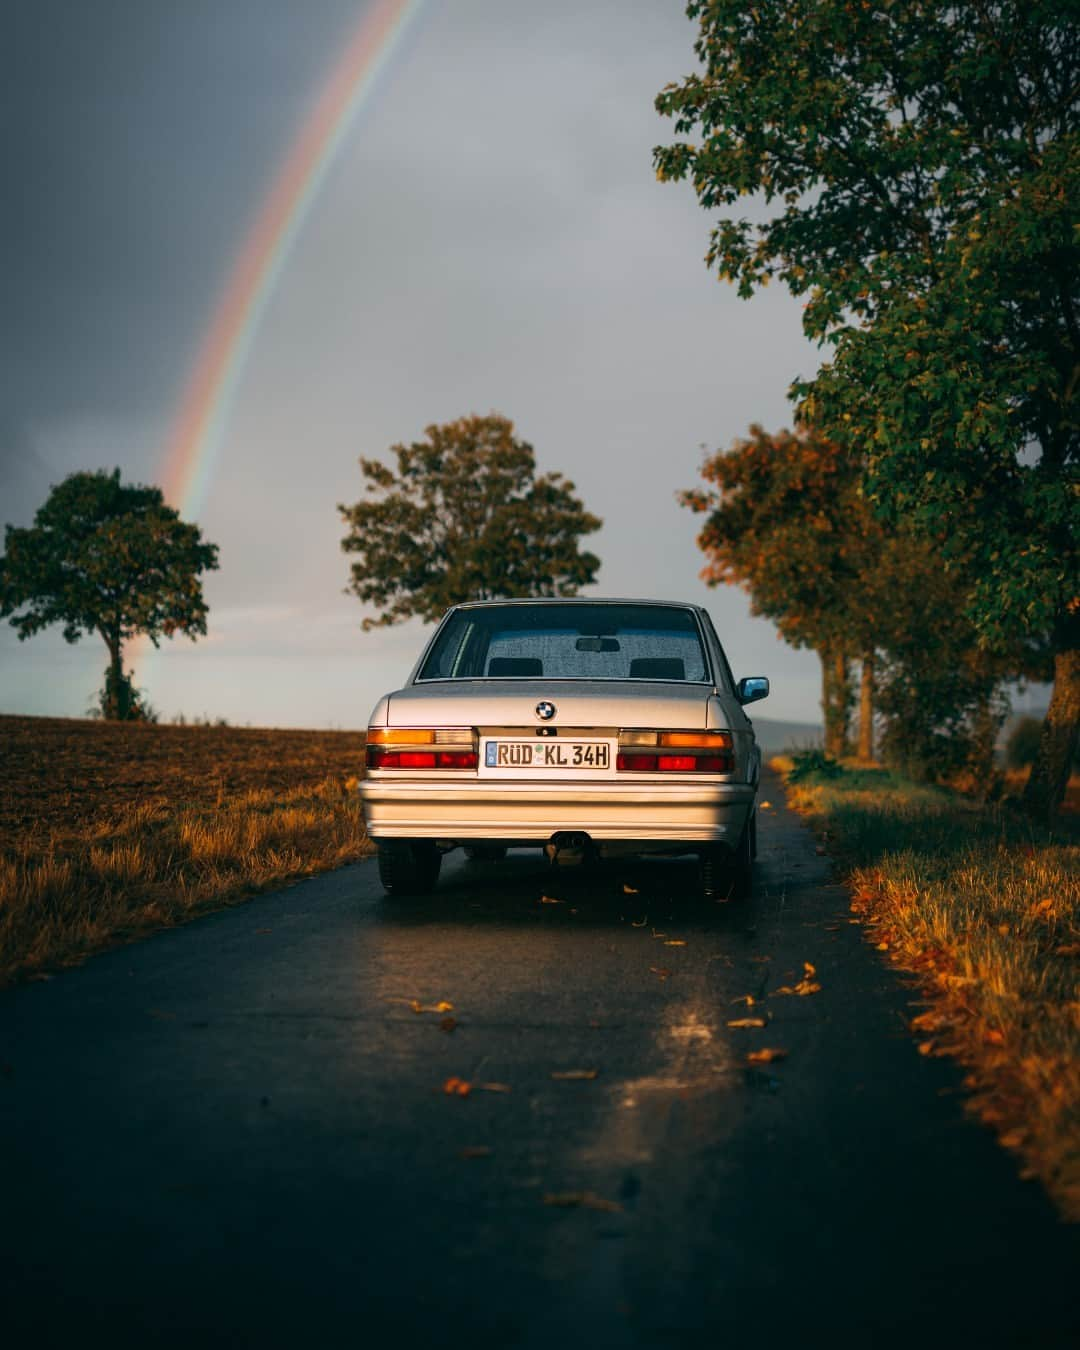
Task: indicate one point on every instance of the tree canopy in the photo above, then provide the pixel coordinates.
(917, 168)
(785, 520)
(109, 558)
(464, 517)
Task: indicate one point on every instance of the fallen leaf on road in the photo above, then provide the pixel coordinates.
(655, 935)
(457, 1087)
(883, 946)
(581, 1200)
(549, 900)
(573, 1075)
(441, 1007)
(1068, 949)
(803, 988)
(629, 890)
(748, 999)
(747, 1022)
(661, 971)
(448, 1024)
(493, 1087)
(639, 923)
(926, 1047)
(476, 1151)
(994, 1036)
(810, 970)
(767, 1056)
(675, 942)
(765, 806)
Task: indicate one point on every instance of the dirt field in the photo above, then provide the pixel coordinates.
(109, 831)
(62, 774)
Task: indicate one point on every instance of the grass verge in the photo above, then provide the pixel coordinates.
(983, 909)
(128, 834)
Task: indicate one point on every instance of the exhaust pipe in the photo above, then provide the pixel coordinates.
(569, 848)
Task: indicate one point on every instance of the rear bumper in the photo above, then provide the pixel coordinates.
(531, 811)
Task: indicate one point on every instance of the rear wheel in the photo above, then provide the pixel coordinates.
(408, 866)
(485, 852)
(728, 874)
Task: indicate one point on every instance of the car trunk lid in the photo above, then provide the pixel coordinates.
(506, 704)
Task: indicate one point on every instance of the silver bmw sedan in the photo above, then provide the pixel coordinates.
(590, 728)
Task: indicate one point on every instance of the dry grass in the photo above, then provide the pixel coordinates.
(983, 909)
(109, 831)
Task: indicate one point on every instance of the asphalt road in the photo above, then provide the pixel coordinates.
(236, 1133)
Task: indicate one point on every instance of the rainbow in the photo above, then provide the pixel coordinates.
(200, 424)
(198, 429)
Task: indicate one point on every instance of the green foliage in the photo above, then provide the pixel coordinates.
(918, 169)
(941, 718)
(1023, 743)
(786, 520)
(813, 764)
(120, 700)
(108, 558)
(464, 517)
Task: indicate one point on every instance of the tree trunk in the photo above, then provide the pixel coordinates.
(834, 698)
(1045, 788)
(114, 682)
(866, 709)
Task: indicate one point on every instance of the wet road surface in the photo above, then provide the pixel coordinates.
(236, 1133)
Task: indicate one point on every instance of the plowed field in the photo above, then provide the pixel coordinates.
(61, 774)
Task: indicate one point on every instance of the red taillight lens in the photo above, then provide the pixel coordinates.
(677, 763)
(378, 758)
(715, 764)
(634, 763)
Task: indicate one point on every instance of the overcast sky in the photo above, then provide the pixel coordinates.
(491, 236)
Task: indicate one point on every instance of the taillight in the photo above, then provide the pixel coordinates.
(695, 746)
(377, 758)
(421, 748)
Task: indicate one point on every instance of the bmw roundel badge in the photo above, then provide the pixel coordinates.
(545, 710)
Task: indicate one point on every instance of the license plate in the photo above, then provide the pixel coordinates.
(547, 756)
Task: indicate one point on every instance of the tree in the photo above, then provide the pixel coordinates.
(918, 166)
(785, 522)
(464, 517)
(108, 558)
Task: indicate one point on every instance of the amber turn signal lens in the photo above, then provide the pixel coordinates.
(696, 740)
(400, 736)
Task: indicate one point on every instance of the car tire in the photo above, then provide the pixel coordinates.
(485, 852)
(408, 866)
(727, 874)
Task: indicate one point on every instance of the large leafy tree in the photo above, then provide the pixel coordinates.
(917, 168)
(785, 520)
(109, 558)
(464, 517)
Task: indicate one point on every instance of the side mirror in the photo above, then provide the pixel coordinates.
(752, 689)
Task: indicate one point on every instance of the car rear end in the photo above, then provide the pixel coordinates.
(584, 727)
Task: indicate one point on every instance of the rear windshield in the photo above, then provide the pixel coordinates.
(569, 642)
